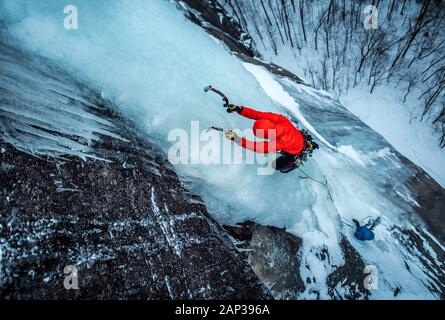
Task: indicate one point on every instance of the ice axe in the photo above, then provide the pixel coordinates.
(216, 129)
(223, 96)
(225, 131)
(226, 104)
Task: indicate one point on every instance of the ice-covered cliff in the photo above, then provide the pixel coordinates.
(80, 187)
(152, 59)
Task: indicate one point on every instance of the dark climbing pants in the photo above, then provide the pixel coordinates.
(285, 163)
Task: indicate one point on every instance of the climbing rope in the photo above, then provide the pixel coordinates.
(309, 177)
(346, 222)
(306, 176)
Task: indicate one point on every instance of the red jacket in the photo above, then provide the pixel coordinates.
(282, 134)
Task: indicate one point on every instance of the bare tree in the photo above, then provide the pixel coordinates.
(407, 51)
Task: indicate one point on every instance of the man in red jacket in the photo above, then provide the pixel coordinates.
(282, 136)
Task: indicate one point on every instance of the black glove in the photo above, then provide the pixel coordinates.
(234, 108)
(356, 223)
(232, 136)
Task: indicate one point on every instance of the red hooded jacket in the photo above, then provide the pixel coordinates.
(282, 134)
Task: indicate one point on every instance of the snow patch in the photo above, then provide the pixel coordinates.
(399, 124)
(353, 154)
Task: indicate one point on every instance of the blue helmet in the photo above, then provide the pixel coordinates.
(363, 233)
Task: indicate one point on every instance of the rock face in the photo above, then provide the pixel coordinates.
(212, 17)
(275, 257)
(431, 199)
(422, 246)
(273, 254)
(124, 222)
(347, 281)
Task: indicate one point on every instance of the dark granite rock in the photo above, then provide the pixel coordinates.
(431, 199)
(349, 277)
(211, 16)
(274, 256)
(420, 245)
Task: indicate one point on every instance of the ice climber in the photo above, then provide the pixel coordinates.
(280, 134)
